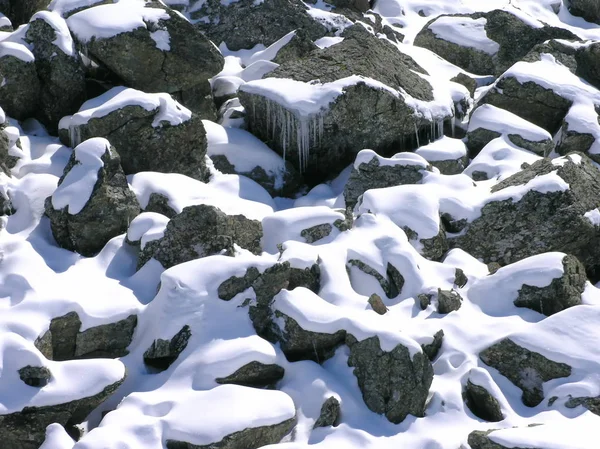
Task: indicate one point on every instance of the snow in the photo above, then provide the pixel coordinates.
(106, 21)
(466, 32)
(77, 186)
(64, 41)
(328, 41)
(16, 50)
(162, 39)
(594, 216)
(444, 149)
(366, 156)
(501, 121)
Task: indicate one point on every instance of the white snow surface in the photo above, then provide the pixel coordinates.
(40, 281)
(64, 41)
(466, 32)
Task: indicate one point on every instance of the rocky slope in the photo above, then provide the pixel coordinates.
(237, 224)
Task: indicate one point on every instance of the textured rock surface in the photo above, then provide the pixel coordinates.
(432, 349)
(480, 440)
(588, 9)
(526, 369)
(448, 301)
(35, 376)
(562, 293)
(200, 231)
(330, 413)
(508, 231)
(254, 374)
(162, 353)
(20, 11)
(108, 212)
(391, 284)
(20, 91)
(482, 403)
(391, 383)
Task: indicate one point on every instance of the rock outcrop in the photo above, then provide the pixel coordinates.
(20, 91)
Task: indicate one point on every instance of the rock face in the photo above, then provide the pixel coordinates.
(378, 173)
(64, 341)
(509, 40)
(20, 91)
(151, 131)
(361, 114)
(20, 11)
(562, 293)
(251, 438)
(168, 54)
(35, 376)
(391, 383)
(246, 23)
(61, 75)
(27, 429)
(508, 231)
(200, 231)
(526, 369)
(255, 374)
(482, 403)
(330, 413)
(448, 301)
(83, 224)
(588, 9)
(162, 353)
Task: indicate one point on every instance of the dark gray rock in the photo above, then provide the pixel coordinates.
(26, 429)
(134, 56)
(20, 11)
(255, 374)
(299, 46)
(432, 349)
(592, 404)
(588, 65)
(514, 36)
(480, 440)
(200, 231)
(160, 204)
(316, 233)
(451, 166)
(478, 138)
(466, 81)
(163, 353)
(20, 91)
(362, 117)
(509, 231)
(424, 300)
(482, 403)
(377, 304)
(107, 213)
(391, 383)
(526, 369)
(35, 376)
(460, 278)
(7, 161)
(143, 147)
(588, 9)
(448, 301)
(62, 78)
(251, 438)
(245, 23)
(373, 175)
(330, 413)
(562, 293)
(435, 247)
(235, 285)
(64, 341)
(391, 284)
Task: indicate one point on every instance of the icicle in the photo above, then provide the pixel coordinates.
(417, 135)
(74, 135)
(453, 123)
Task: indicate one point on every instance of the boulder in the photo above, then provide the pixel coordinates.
(526, 369)
(300, 45)
(371, 171)
(562, 293)
(431, 350)
(26, 429)
(59, 68)
(254, 374)
(330, 413)
(496, 40)
(588, 9)
(65, 341)
(592, 404)
(20, 91)
(200, 231)
(158, 51)
(559, 217)
(93, 202)
(580, 131)
(448, 155)
(392, 383)
(355, 104)
(448, 301)
(20, 11)
(246, 23)
(151, 131)
(391, 283)
(377, 304)
(482, 403)
(163, 353)
(35, 376)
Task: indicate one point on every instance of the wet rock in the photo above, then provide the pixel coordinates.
(377, 304)
(20, 91)
(59, 69)
(508, 231)
(200, 231)
(526, 369)
(166, 55)
(562, 293)
(432, 349)
(82, 224)
(162, 136)
(391, 383)
(482, 403)
(163, 353)
(35, 376)
(255, 374)
(245, 24)
(330, 413)
(448, 301)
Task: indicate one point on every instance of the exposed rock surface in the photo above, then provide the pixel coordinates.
(35, 376)
(254, 374)
(330, 413)
(200, 231)
(20, 91)
(391, 283)
(20, 11)
(162, 353)
(482, 403)
(391, 383)
(526, 369)
(508, 231)
(432, 349)
(109, 209)
(588, 9)
(448, 301)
